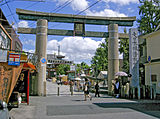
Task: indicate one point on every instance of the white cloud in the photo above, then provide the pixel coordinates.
(130, 10)
(23, 24)
(79, 4)
(30, 51)
(28, 42)
(123, 2)
(75, 4)
(107, 13)
(76, 49)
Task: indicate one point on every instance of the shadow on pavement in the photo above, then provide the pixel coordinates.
(78, 100)
(152, 109)
(63, 94)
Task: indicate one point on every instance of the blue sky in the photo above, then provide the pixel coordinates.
(77, 49)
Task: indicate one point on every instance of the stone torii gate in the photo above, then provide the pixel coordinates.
(42, 31)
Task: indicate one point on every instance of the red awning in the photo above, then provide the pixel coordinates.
(29, 65)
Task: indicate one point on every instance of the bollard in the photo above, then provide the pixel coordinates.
(45, 93)
(72, 90)
(58, 91)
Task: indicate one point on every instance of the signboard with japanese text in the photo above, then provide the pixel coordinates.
(134, 56)
(79, 29)
(3, 55)
(14, 59)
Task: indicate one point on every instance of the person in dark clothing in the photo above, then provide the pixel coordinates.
(97, 90)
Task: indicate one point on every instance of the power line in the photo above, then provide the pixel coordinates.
(11, 12)
(24, 8)
(5, 3)
(64, 5)
(88, 7)
(60, 6)
(57, 9)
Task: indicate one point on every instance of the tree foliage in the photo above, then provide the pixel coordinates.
(81, 67)
(100, 60)
(62, 69)
(124, 48)
(149, 15)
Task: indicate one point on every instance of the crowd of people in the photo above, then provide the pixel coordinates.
(117, 89)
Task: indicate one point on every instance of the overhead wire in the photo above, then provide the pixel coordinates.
(5, 3)
(57, 9)
(88, 7)
(11, 12)
(64, 5)
(67, 3)
(24, 8)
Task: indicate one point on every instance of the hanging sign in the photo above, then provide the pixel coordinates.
(79, 29)
(14, 59)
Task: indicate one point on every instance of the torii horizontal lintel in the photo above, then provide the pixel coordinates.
(70, 33)
(69, 18)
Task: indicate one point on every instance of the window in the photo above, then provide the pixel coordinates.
(5, 42)
(154, 78)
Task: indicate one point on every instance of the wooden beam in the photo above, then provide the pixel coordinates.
(69, 18)
(70, 33)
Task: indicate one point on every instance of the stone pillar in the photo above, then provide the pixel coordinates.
(41, 45)
(113, 56)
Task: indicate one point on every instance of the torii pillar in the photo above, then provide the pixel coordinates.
(41, 47)
(113, 56)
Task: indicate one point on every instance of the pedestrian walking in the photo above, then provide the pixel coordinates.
(71, 87)
(97, 90)
(116, 88)
(86, 92)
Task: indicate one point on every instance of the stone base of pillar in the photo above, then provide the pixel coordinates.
(45, 93)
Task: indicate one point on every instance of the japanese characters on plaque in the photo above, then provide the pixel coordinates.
(134, 56)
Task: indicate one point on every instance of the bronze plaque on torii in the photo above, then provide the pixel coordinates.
(79, 29)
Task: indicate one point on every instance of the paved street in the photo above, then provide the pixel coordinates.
(66, 106)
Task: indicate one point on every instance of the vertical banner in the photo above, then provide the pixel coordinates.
(134, 56)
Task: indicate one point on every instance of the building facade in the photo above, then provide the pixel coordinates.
(5, 39)
(53, 61)
(16, 43)
(149, 46)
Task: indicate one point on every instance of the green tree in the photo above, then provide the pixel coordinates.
(63, 68)
(100, 60)
(124, 48)
(81, 67)
(149, 15)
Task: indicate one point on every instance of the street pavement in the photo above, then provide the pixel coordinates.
(66, 106)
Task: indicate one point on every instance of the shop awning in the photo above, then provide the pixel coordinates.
(29, 65)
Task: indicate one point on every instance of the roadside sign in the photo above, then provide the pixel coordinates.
(43, 65)
(43, 60)
(14, 59)
(149, 59)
